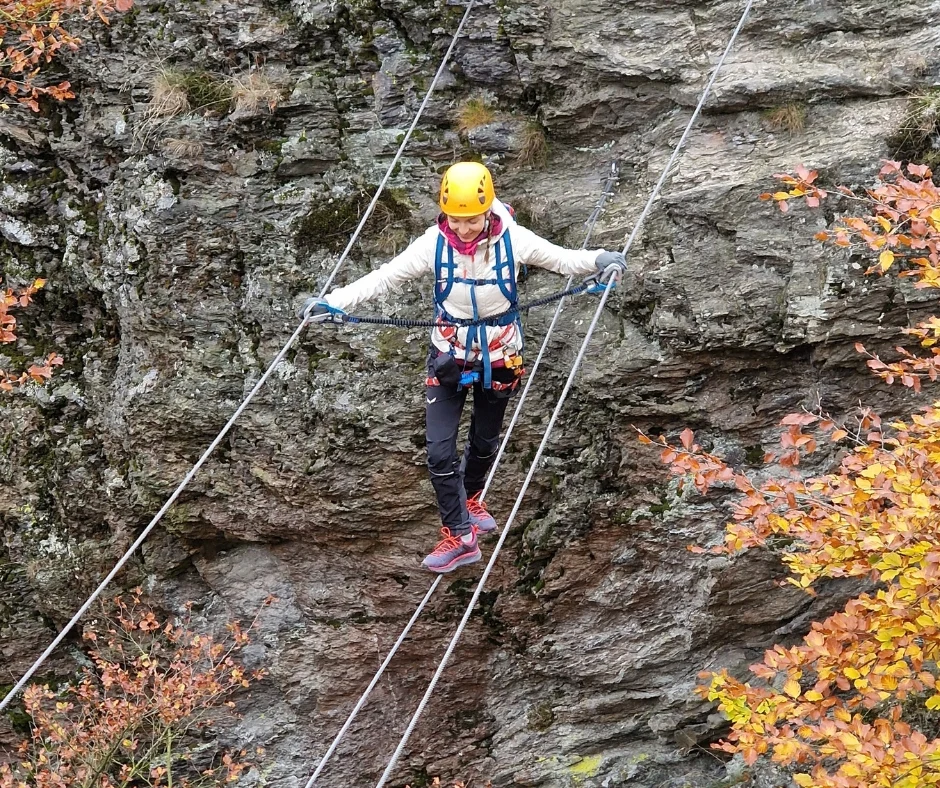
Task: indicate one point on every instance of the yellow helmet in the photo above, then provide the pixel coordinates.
(466, 189)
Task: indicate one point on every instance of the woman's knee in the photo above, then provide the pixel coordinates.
(442, 457)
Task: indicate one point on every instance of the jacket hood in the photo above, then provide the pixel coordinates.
(505, 217)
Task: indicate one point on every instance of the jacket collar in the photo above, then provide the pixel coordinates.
(493, 229)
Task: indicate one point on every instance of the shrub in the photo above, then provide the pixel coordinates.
(855, 704)
(139, 714)
(35, 32)
(11, 300)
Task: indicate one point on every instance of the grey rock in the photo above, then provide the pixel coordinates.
(174, 274)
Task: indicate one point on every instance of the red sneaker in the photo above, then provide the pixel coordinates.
(481, 519)
(453, 551)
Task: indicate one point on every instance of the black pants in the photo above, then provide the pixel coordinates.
(454, 480)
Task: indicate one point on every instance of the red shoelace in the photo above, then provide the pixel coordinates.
(476, 506)
(449, 542)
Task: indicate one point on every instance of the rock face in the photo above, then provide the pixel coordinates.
(180, 222)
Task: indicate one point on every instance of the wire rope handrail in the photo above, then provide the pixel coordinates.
(609, 183)
(554, 417)
(251, 395)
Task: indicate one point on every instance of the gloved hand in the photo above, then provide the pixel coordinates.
(321, 311)
(608, 264)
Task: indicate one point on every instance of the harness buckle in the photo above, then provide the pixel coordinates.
(469, 377)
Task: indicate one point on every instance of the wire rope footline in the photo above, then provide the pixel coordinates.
(554, 417)
(251, 395)
(609, 183)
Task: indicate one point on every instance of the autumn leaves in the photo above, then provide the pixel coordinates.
(35, 34)
(845, 707)
(11, 300)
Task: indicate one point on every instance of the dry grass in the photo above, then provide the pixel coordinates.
(534, 149)
(474, 112)
(175, 92)
(916, 138)
(789, 117)
(254, 91)
(390, 232)
(183, 149)
(168, 96)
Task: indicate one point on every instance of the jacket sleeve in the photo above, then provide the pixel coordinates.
(532, 249)
(414, 261)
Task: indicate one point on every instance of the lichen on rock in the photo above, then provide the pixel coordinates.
(175, 272)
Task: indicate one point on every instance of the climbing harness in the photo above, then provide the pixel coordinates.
(446, 276)
(255, 389)
(609, 183)
(561, 401)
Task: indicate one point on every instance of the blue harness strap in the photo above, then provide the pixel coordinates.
(507, 263)
(445, 275)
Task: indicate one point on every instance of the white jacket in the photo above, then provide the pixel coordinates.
(418, 260)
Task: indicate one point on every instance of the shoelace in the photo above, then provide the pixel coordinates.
(475, 506)
(449, 542)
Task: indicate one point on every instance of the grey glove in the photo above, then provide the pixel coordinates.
(608, 264)
(320, 311)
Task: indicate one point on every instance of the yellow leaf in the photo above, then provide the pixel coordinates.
(803, 780)
(891, 559)
(813, 695)
(920, 501)
(850, 770)
(850, 742)
(792, 688)
(933, 702)
(886, 259)
(851, 672)
(884, 223)
(781, 195)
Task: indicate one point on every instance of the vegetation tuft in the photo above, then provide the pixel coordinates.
(534, 149)
(917, 139)
(790, 117)
(176, 91)
(330, 223)
(253, 92)
(476, 111)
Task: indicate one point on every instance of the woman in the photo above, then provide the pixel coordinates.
(475, 252)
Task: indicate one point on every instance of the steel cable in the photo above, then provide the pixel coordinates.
(251, 395)
(609, 183)
(548, 430)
